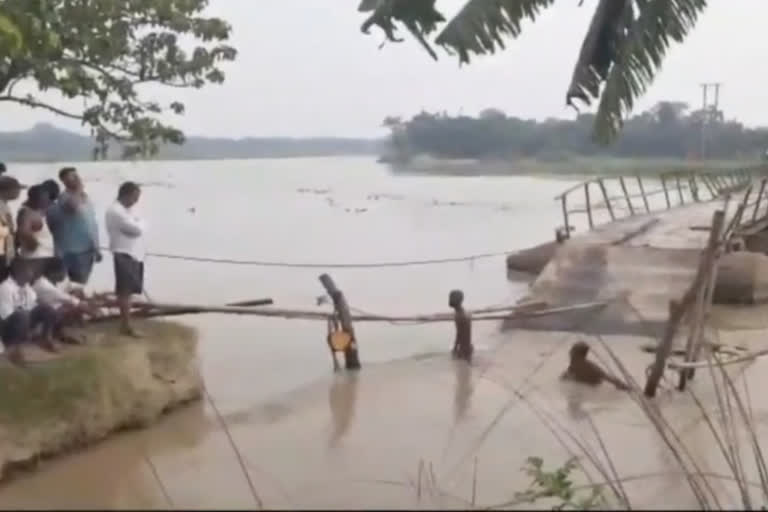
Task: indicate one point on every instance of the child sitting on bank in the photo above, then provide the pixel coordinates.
(71, 301)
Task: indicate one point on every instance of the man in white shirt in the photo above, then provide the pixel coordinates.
(126, 242)
(21, 313)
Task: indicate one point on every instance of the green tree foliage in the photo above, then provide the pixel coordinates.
(10, 36)
(666, 130)
(105, 52)
(620, 55)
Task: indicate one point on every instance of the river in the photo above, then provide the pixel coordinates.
(310, 210)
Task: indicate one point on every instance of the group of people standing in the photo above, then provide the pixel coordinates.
(47, 255)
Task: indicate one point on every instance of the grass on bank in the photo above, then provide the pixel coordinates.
(95, 387)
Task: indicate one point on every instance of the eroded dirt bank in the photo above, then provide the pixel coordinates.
(85, 393)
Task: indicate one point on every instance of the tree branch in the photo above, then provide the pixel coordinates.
(36, 104)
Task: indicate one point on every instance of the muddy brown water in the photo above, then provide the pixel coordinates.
(413, 429)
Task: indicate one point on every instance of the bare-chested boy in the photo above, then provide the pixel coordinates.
(462, 347)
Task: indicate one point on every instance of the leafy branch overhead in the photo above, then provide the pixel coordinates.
(104, 53)
(620, 55)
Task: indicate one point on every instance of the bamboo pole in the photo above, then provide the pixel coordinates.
(156, 312)
(642, 193)
(747, 195)
(351, 354)
(626, 195)
(678, 309)
(690, 374)
(605, 198)
(532, 310)
(733, 226)
(703, 294)
(588, 205)
(679, 188)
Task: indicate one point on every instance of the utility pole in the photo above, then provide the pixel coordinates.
(710, 112)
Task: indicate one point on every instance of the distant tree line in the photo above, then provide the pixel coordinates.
(668, 130)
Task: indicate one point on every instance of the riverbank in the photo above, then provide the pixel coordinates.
(82, 395)
(570, 168)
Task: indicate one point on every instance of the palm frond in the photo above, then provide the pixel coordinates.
(419, 16)
(368, 5)
(639, 57)
(598, 51)
(481, 25)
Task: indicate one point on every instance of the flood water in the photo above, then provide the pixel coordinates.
(413, 428)
(265, 375)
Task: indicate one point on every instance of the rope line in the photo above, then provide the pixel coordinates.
(283, 264)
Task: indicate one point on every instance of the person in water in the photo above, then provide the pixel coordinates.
(580, 369)
(462, 347)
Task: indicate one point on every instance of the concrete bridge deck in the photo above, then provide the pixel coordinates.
(645, 260)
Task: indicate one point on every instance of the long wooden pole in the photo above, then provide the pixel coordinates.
(532, 310)
(677, 310)
(707, 307)
(351, 354)
(709, 267)
(589, 205)
(563, 202)
(157, 312)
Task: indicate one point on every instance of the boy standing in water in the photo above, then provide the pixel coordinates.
(462, 347)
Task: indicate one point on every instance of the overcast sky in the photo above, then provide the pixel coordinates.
(304, 68)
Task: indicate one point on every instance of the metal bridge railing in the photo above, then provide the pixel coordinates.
(612, 195)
